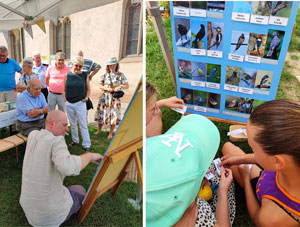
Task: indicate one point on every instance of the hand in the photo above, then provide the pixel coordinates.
(84, 100)
(117, 88)
(244, 172)
(96, 157)
(189, 217)
(230, 160)
(33, 113)
(172, 102)
(226, 179)
(109, 89)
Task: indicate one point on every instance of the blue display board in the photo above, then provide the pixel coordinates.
(229, 55)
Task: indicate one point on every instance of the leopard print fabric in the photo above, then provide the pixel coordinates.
(207, 209)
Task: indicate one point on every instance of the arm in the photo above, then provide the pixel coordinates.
(93, 73)
(229, 160)
(34, 113)
(64, 93)
(172, 102)
(21, 87)
(89, 157)
(48, 76)
(222, 211)
(122, 86)
(88, 89)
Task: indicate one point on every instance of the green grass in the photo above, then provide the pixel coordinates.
(107, 210)
(295, 57)
(158, 75)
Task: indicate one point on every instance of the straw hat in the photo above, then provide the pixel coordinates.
(112, 61)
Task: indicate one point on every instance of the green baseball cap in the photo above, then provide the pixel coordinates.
(176, 163)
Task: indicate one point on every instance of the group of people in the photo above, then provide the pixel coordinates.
(272, 193)
(44, 198)
(42, 88)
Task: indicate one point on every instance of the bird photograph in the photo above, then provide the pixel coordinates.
(273, 45)
(182, 32)
(239, 42)
(263, 80)
(181, 4)
(262, 8)
(281, 8)
(198, 34)
(213, 100)
(248, 77)
(187, 95)
(200, 98)
(213, 73)
(232, 103)
(256, 44)
(233, 75)
(199, 71)
(184, 69)
(215, 36)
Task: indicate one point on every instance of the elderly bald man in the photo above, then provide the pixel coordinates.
(31, 106)
(44, 198)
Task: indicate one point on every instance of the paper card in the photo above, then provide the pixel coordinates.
(257, 19)
(200, 108)
(253, 59)
(283, 21)
(215, 53)
(218, 168)
(229, 87)
(197, 83)
(199, 52)
(197, 13)
(179, 110)
(178, 11)
(244, 90)
(213, 85)
(243, 17)
(209, 176)
(235, 57)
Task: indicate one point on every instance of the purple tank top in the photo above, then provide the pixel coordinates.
(268, 187)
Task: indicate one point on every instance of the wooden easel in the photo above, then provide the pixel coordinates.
(121, 151)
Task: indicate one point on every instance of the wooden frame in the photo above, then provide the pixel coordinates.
(122, 150)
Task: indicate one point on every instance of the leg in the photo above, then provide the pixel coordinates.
(10, 96)
(231, 149)
(81, 116)
(99, 129)
(2, 96)
(51, 101)
(71, 112)
(110, 135)
(45, 93)
(61, 103)
(77, 192)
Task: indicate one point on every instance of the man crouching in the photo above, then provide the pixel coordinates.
(44, 198)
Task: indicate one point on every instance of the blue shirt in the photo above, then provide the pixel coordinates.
(23, 80)
(26, 102)
(7, 74)
(41, 72)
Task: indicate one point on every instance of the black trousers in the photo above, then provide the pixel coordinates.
(45, 92)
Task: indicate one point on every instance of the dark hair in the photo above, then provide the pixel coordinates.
(279, 127)
(117, 68)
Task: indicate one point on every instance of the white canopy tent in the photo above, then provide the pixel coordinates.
(14, 13)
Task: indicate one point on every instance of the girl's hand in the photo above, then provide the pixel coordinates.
(172, 102)
(230, 160)
(226, 179)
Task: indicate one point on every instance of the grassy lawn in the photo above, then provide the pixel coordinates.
(108, 210)
(157, 73)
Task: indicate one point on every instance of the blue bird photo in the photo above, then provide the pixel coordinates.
(263, 82)
(213, 73)
(273, 49)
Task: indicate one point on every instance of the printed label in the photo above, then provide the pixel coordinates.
(235, 57)
(229, 87)
(178, 11)
(243, 17)
(200, 108)
(253, 59)
(213, 85)
(198, 13)
(197, 83)
(215, 53)
(244, 90)
(256, 19)
(283, 21)
(199, 52)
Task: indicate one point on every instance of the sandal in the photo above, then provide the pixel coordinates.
(87, 149)
(72, 144)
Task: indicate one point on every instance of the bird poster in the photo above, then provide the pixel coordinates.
(184, 69)
(229, 55)
(274, 44)
(263, 80)
(199, 40)
(183, 32)
(215, 32)
(233, 75)
(256, 44)
(239, 42)
(187, 95)
(199, 71)
(200, 98)
(213, 73)
(248, 77)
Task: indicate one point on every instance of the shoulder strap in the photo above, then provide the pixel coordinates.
(287, 211)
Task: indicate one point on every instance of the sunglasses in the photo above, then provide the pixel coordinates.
(78, 66)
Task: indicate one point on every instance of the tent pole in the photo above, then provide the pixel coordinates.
(153, 10)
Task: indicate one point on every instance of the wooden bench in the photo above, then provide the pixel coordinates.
(12, 142)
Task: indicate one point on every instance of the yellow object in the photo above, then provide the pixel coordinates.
(205, 192)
